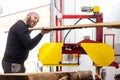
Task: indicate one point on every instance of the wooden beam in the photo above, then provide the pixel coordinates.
(104, 24)
(77, 75)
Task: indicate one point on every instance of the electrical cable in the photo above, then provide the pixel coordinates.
(69, 31)
(56, 6)
(91, 20)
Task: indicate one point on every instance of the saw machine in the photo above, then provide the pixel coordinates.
(102, 54)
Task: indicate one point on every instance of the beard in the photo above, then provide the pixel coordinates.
(29, 22)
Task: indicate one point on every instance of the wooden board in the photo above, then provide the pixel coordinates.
(77, 75)
(105, 24)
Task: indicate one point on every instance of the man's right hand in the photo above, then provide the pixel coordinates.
(44, 31)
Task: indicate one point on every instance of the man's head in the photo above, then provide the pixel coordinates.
(32, 19)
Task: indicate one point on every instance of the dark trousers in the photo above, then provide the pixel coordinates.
(13, 67)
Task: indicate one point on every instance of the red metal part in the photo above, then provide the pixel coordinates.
(59, 32)
(116, 65)
(99, 31)
(113, 38)
(98, 17)
(78, 16)
(69, 48)
(56, 31)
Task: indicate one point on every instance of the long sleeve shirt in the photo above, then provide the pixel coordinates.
(19, 43)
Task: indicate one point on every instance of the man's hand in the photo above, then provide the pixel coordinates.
(44, 31)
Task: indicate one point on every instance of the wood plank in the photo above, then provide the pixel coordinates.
(104, 24)
(76, 75)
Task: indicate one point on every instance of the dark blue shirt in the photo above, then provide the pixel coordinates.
(19, 43)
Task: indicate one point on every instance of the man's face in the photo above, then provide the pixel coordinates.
(32, 20)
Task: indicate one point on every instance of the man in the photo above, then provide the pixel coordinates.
(19, 43)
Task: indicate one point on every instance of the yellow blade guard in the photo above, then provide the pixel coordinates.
(50, 53)
(102, 54)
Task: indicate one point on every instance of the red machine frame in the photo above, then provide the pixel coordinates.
(99, 31)
(98, 17)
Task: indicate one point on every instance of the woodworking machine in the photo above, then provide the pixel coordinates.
(51, 54)
(102, 54)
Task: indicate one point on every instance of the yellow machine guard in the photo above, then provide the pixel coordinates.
(102, 54)
(50, 53)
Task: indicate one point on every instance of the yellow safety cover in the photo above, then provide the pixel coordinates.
(102, 54)
(50, 53)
